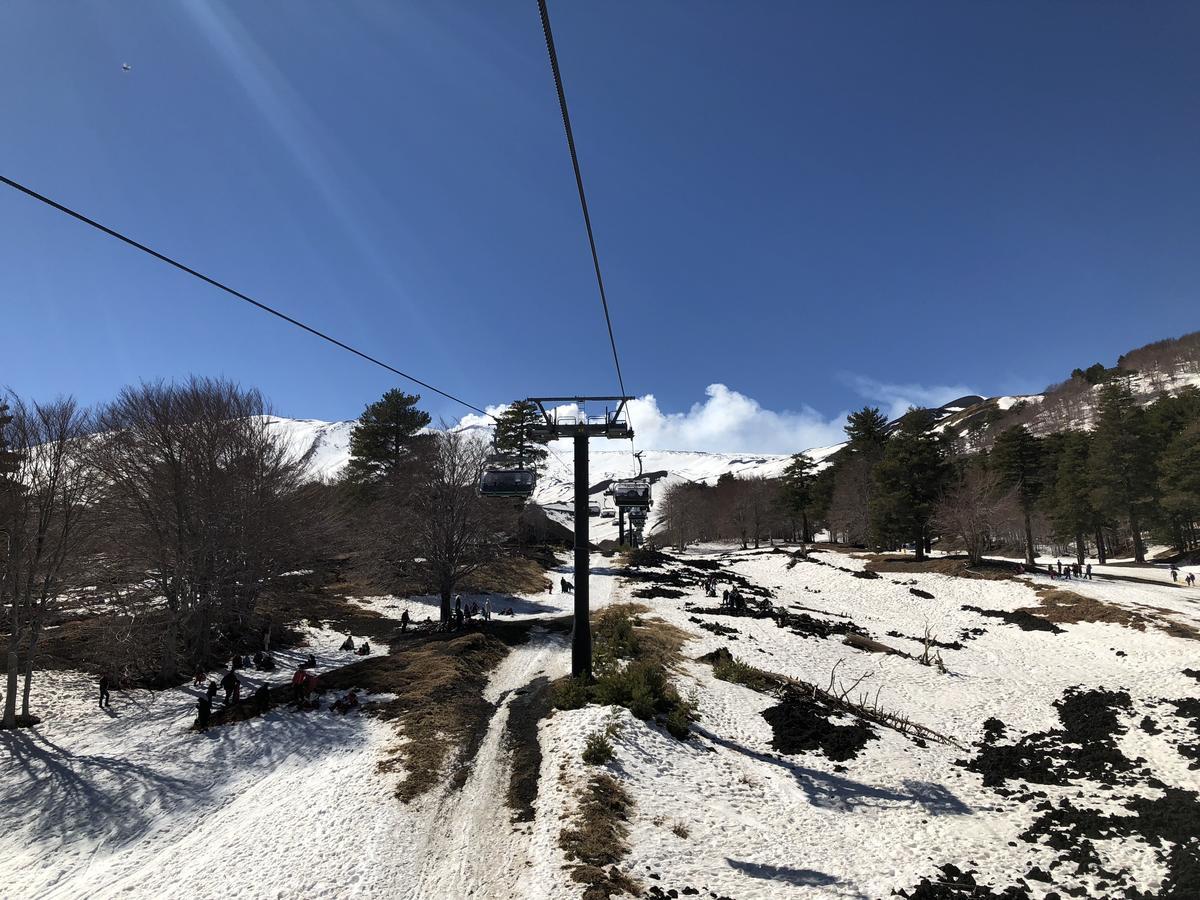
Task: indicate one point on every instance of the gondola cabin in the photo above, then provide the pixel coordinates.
(507, 483)
(631, 494)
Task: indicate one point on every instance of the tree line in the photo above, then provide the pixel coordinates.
(1134, 477)
(162, 519)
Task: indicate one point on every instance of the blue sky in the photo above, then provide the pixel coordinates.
(812, 204)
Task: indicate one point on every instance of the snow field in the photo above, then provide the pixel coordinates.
(765, 825)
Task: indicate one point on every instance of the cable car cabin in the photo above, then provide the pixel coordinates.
(631, 494)
(507, 482)
(637, 517)
(607, 512)
(593, 509)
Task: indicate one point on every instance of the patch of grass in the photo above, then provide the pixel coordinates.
(439, 708)
(595, 841)
(729, 668)
(632, 659)
(960, 566)
(598, 749)
(1068, 608)
(509, 575)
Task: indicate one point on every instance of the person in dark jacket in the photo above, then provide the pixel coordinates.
(203, 711)
(231, 685)
(262, 698)
(211, 693)
(103, 691)
(348, 643)
(364, 649)
(310, 663)
(404, 621)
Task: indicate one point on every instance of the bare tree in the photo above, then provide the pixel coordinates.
(47, 519)
(204, 502)
(973, 509)
(450, 525)
(849, 508)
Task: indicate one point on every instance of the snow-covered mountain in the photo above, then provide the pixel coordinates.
(330, 444)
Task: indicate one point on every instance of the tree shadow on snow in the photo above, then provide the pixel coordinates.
(831, 791)
(117, 798)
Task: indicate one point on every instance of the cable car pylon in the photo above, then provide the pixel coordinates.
(613, 425)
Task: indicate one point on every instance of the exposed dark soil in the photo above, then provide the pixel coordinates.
(917, 592)
(658, 593)
(715, 628)
(933, 642)
(951, 883)
(1085, 753)
(803, 724)
(530, 705)
(1023, 619)
(1192, 673)
(1189, 710)
(1084, 748)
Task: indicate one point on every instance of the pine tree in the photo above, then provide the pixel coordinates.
(512, 433)
(1121, 464)
(799, 495)
(867, 430)
(1067, 497)
(385, 438)
(1016, 457)
(1179, 482)
(908, 482)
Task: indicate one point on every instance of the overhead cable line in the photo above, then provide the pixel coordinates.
(236, 293)
(587, 219)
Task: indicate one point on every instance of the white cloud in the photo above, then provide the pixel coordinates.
(895, 399)
(726, 421)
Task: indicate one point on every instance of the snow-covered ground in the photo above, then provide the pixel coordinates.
(130, 803)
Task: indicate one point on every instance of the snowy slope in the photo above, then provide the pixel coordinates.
(129, 803)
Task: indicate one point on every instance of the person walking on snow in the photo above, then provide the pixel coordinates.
(1089, 571)
(404, 621)
(298, 684)
(203, 711)
(1059, 567)
(487, 609)
(103, 691)
(1174, 574)
(211, 693)
(229, 683)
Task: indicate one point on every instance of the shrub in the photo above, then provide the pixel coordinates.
(570, 693)
(679, 721)
(681, 830)
(598, 750)
(737, 672)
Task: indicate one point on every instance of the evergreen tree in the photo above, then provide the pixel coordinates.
(907, 483)
(1017, 459)
(1179, 483)
(867, 430)
(1121, 464)
(799, 491)
(385, 438)
(1067, 497)
(512, 433)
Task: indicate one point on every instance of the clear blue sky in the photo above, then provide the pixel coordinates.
(789, 197)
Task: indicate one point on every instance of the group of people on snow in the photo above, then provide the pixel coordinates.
(1070, 570)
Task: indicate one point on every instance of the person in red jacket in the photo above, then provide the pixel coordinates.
(298, 684)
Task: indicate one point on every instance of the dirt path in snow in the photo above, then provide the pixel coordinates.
(472, 847)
